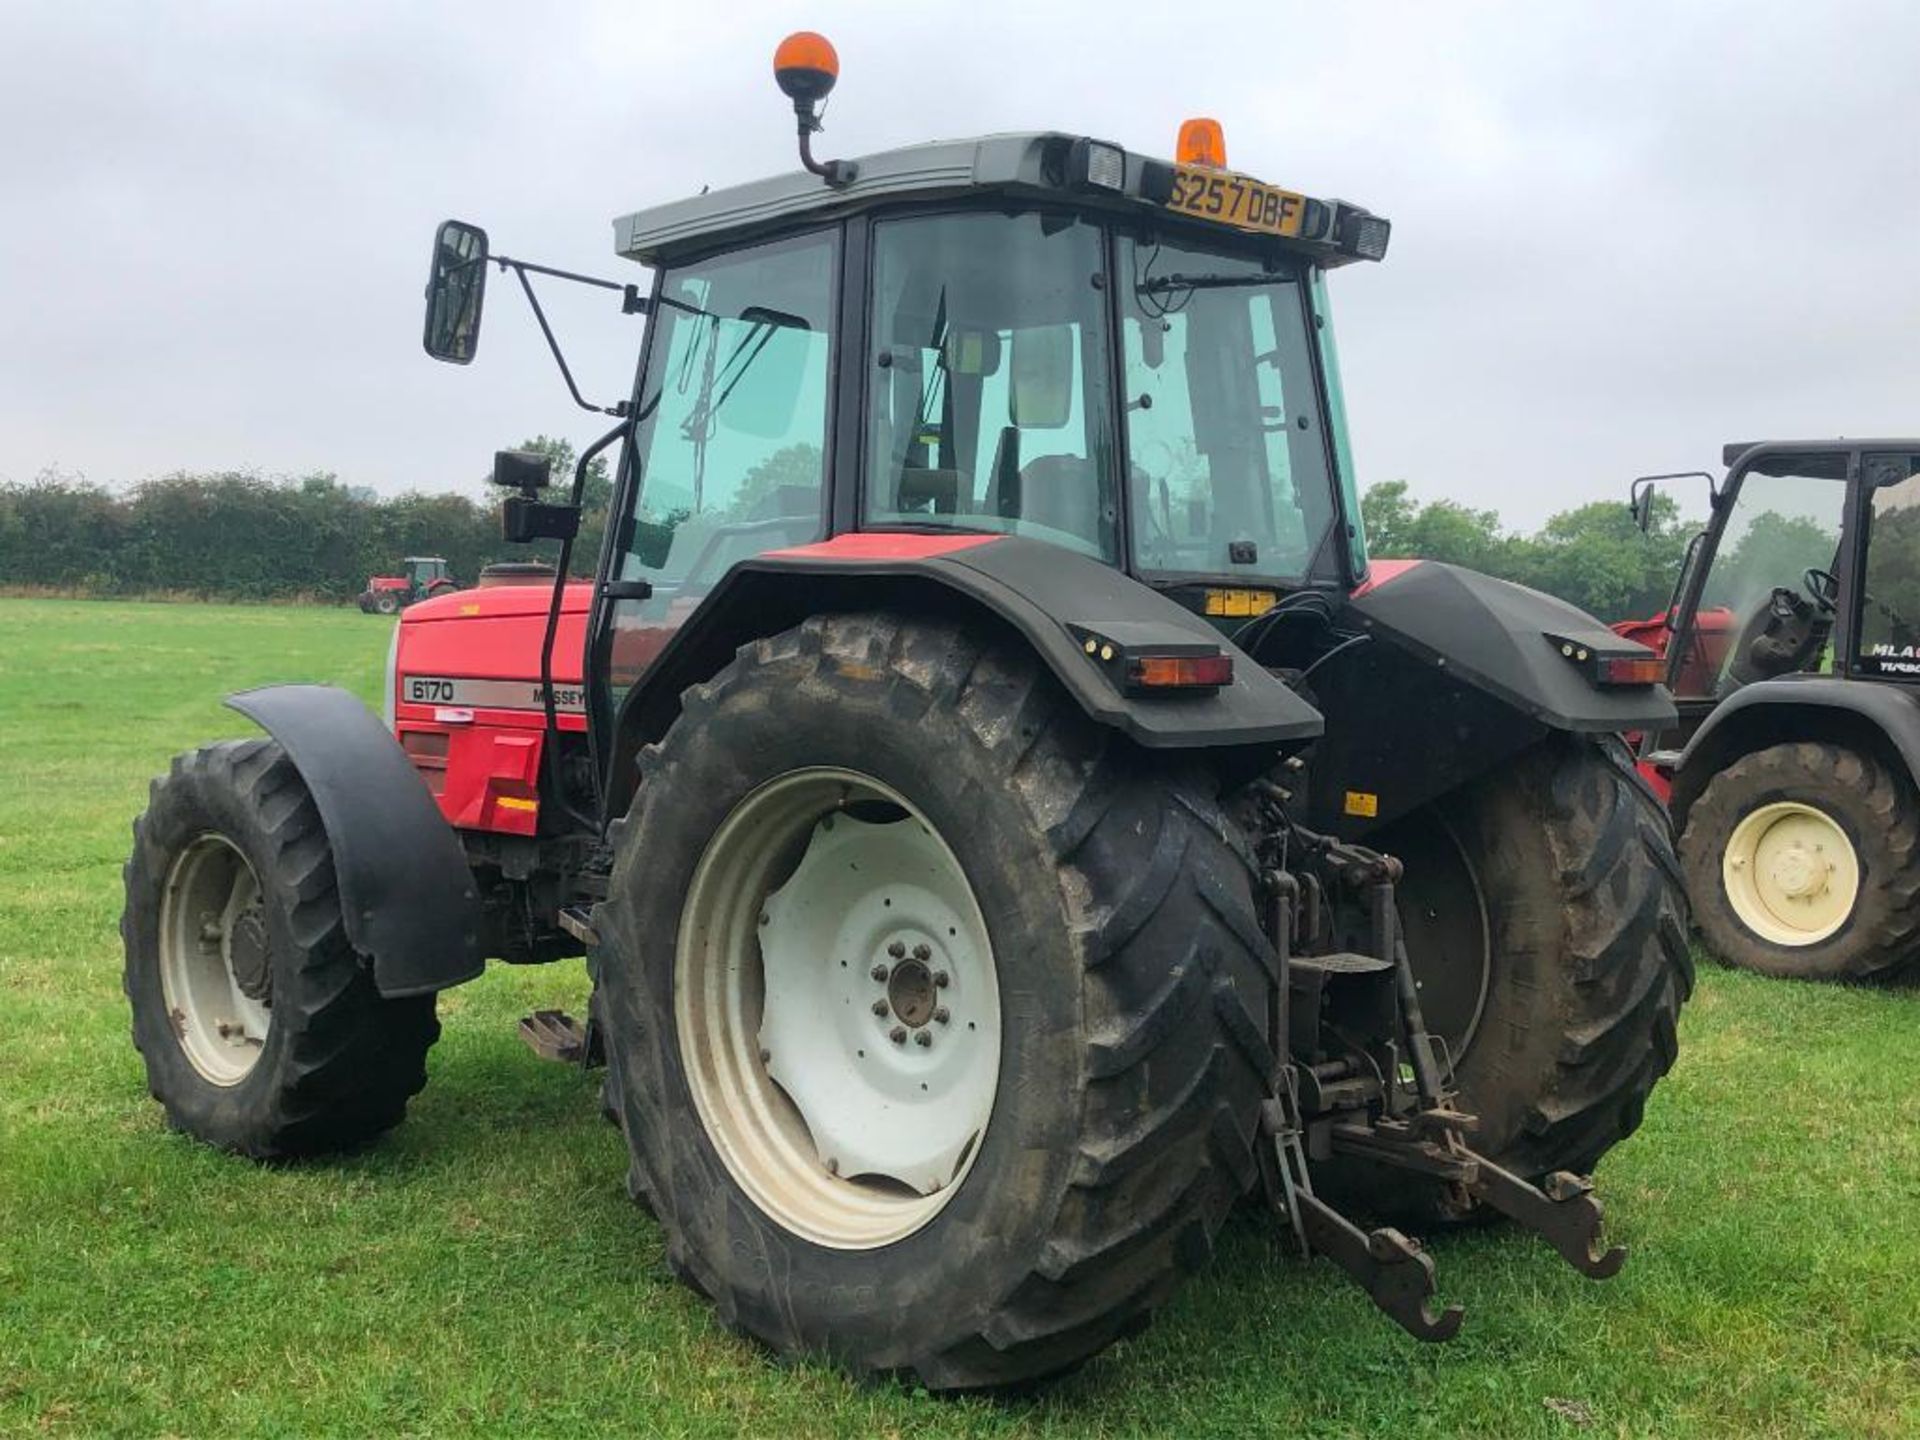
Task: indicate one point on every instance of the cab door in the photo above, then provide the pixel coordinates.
(729, 453)
(1886, 602)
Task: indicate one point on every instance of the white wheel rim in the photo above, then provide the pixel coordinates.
(1791, 874)
(214, 968)
(837, 1007)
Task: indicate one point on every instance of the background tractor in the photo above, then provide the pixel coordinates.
(389, 594)
(1793, 651)
(1007, 819)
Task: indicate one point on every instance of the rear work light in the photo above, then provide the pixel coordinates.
(1609, 670)
(1362, 235)
(1155, 659)
(1632, 670)
(1179, 672)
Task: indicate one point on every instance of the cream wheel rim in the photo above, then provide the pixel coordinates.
(837, 1008)
(1791, 874)
(215, 960)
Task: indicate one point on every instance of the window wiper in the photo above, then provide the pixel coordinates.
(1209, 282)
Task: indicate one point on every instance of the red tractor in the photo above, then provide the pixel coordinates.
(1007, 819)
(389, 594)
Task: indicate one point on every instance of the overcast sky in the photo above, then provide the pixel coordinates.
(1623, 233)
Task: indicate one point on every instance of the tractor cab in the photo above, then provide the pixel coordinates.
(423, 571)
(1039, 336)
(1809, 565)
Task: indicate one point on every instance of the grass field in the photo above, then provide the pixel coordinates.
(481, 1268)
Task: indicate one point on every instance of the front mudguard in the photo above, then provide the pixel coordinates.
(407, 897)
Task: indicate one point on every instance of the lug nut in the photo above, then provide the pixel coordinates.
(923, 1038)
(941, 1015)
(897, 950)
(880, 1007)
(898, 1035)
(879, 972)
(941, 978)
(922, 952)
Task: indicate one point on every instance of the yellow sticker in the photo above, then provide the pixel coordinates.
(1239, 602)
(1363, 804)
(514, 802)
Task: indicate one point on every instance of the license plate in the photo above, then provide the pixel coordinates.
(1235, 200)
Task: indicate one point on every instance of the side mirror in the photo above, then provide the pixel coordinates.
(456, 289)
(1041, 394)
(522, 469)
(1641, 506)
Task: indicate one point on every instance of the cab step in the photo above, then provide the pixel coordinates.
(556, 1035)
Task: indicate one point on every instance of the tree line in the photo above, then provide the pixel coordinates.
(1594, 556)
(233, 535)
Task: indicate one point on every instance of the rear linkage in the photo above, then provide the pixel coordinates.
(1359, 1077)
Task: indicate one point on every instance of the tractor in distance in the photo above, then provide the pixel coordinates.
(1007, 820)
(1792, 645)
(426, 575)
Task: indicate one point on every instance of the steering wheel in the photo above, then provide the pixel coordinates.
(1823, 586)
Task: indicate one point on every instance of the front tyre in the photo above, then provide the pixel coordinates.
(1803, 861)
(935, 1013)
(260, 1025)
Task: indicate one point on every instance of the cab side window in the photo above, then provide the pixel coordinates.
(1889, 641)
(732, 435)
(732, 431)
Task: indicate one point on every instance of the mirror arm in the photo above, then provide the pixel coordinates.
(551, 747)
(520, 269)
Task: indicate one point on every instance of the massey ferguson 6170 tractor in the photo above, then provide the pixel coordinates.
(388, 594)
(1006, 818)
(1793, 650)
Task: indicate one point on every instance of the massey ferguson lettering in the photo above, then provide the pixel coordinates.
(488, 694)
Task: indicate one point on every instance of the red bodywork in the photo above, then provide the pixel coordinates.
(1707, 652)
(388, 582)
(466, 701)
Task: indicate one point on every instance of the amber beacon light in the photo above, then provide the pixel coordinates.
(805, 66)
(1202, 142)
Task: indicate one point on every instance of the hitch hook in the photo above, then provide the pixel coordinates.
(1396, 1274)
(1563, 1211)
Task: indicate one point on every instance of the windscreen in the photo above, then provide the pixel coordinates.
(1227, 459)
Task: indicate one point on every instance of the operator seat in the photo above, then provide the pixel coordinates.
(1783, 635)
(1062, 491)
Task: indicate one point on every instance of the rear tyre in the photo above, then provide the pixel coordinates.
(1803, 861)
(1546, 923)
(1097, 929)
(260, 1025)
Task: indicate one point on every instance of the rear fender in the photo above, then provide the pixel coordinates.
(1050, 598)
(1879, 718)
(407, 897)
(1460, 673)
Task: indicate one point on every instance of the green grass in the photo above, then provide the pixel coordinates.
(481, 1268)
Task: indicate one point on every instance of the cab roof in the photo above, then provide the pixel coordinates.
(1029, 164)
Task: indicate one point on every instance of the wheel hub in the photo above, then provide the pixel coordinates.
(1791, 873)
(247, 955)
(216, 959)
(838, 1011)
(910, 992)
